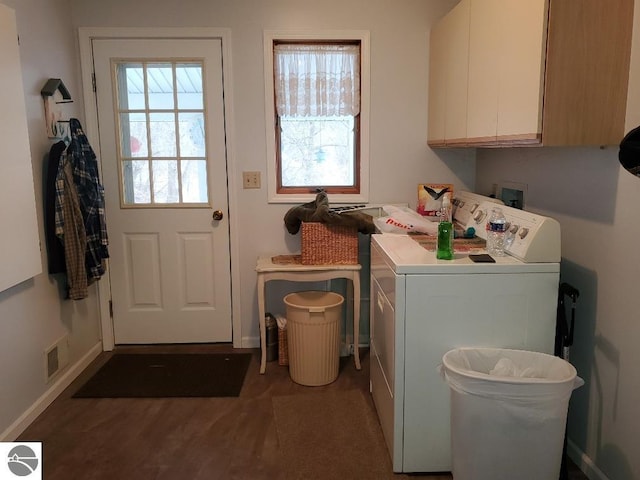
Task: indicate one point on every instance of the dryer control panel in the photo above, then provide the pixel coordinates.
(466, 204)
(530, 237)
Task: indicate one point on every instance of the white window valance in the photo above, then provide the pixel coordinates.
(317, 80)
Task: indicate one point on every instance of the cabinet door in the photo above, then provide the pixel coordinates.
(506, 71)
(456, 26)
(589, 48)
(437, 85)
(523, 31)
(484, 72)
(502, 58)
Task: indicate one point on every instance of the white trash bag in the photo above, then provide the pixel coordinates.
(508, 412)
(404, 220)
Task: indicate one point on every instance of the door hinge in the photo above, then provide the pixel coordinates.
(111, 308)
(93, 82)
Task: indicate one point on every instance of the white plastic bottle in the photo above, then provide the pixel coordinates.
(496, 230)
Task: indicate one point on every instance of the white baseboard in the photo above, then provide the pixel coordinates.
(584, 462)
(39, 406)
(346, 349)
(250, 342)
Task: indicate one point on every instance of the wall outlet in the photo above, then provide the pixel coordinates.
(250, 180)
(513, 194)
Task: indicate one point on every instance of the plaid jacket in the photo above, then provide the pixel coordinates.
(70, 229)
(90, 197)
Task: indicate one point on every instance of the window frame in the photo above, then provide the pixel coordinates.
(150, 158)
(338, 194)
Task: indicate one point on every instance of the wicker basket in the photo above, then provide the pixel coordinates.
(283, 347)
(324, 244)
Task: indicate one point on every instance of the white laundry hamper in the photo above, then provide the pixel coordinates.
(508, 412)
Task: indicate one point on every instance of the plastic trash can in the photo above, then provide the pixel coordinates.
(313, 335)
(508, 412)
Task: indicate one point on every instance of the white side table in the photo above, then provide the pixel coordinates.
(292, 270)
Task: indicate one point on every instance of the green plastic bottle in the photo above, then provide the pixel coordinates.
(445, 231)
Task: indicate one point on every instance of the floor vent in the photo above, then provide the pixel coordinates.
(56, 357)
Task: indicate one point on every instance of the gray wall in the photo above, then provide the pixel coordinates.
(34, 314)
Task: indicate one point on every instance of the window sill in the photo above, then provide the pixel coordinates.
(308, 197)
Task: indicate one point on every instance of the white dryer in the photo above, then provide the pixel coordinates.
(422, 307)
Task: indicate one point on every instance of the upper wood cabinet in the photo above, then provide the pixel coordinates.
(448, 77)
(539, 72)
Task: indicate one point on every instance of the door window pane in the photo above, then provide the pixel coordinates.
(162, 128)
(137, 184)
(189, 79)
(165, 181)
(160, 87)
(191, 127)
(194, 181)
(131, 86)
(133, 135)
(161, 124)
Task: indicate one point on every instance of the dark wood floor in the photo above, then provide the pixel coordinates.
(178, 438)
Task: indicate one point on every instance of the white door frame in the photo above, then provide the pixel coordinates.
(86, 35)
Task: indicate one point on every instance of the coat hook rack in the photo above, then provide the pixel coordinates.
(55, 93)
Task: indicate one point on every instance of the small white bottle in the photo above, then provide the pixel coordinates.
(496, 230)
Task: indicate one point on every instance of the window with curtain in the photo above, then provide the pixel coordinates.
(317, 101)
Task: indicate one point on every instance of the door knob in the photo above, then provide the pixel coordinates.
(218, 215)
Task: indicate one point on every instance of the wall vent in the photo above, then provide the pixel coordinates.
(56, 357)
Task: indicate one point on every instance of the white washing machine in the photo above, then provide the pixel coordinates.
(422, 307)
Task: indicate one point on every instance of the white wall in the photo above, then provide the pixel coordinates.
(595, 201)
(34, 314)
(400, 158)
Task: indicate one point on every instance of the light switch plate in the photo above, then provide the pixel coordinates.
(250, 180)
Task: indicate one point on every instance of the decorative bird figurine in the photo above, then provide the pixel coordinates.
(436, 195)
(430, 198)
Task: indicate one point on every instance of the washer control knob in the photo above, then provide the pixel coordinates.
(473, 207)
(478, 216)
(523, 232)
(513, 229)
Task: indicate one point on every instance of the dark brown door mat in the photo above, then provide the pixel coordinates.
(168, 375)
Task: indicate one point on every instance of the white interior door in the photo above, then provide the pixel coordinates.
(161, 124)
